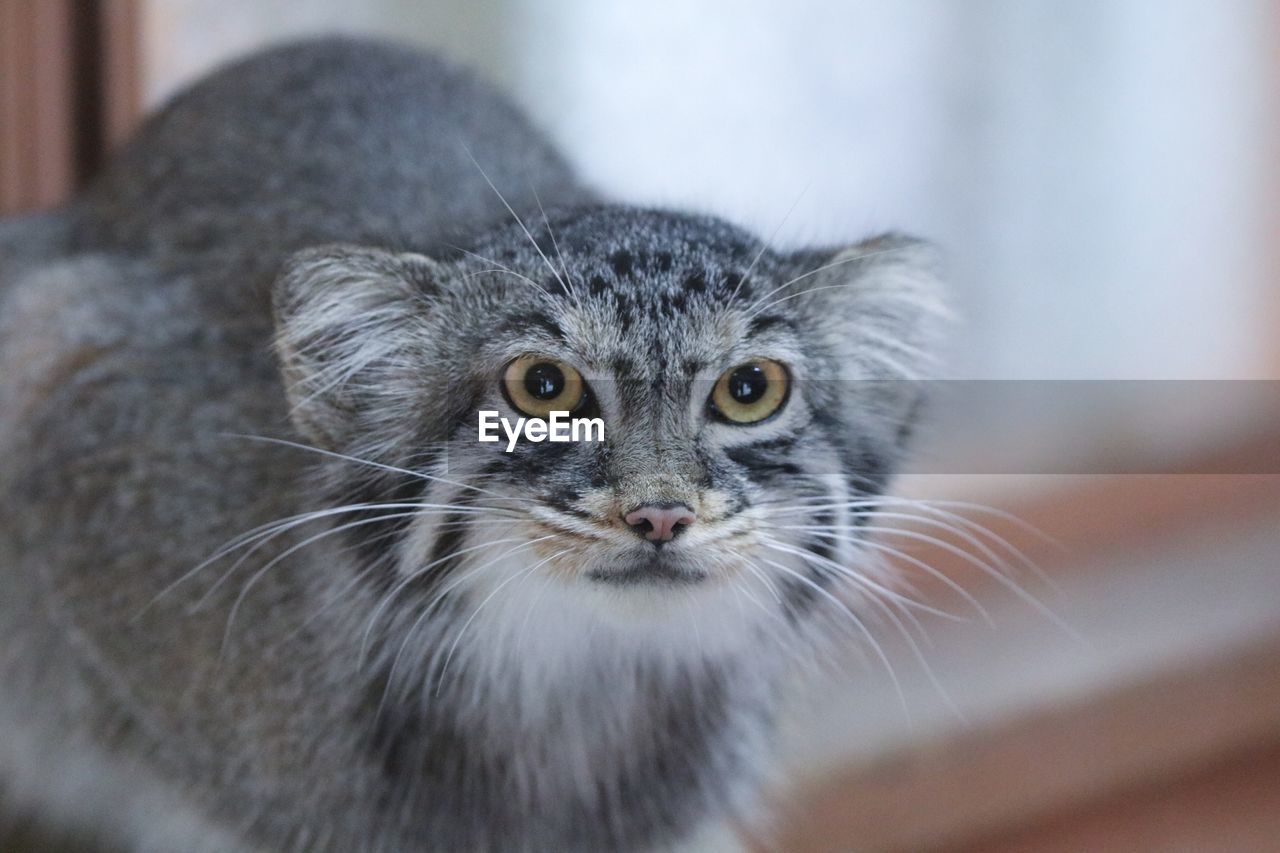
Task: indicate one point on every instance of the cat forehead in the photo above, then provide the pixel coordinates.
(651, 340)
(604, 230)
(631, 253)
(623, 284)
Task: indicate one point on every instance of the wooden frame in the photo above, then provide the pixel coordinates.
(69, 91)
(36, 139)
(1155, 757)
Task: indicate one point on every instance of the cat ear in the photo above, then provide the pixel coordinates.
(877, 313)
(880, 304)
(348, 320)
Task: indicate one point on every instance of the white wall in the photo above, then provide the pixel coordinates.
(1097, 171)
(183, 39)
(1094, 169)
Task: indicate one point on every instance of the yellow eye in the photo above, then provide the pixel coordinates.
(750, 392)
(538, 385)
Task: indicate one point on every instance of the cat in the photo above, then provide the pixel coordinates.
(263, 587)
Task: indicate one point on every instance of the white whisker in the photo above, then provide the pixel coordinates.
(420, 571)
(449, 657)
(916, 652)
(870, 638)
(567, 289)
(370, 463)
(764, 246)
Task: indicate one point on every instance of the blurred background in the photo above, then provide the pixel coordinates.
(1104, 180)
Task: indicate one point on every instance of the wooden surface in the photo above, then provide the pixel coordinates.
(70, 81)
(121, 71)
(1101, 769)
(1230, 805)
(37, 145)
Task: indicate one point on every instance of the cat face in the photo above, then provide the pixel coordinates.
(749, 399)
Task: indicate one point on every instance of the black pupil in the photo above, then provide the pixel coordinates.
(747, 384)
(544, 381)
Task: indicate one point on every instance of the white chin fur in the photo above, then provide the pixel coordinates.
(530, 631)
(566, 617)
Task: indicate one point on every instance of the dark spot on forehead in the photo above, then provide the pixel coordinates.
(545, 242)
(738, 285)
(696, 283)
(622, 262)
(768, 321)
(550, 326)
(597, 285)
(623, 366)
(533, 320)
(664, 261)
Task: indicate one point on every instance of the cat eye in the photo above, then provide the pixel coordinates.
(750, 392)
(538, 385)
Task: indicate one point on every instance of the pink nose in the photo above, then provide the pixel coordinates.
(658, 522)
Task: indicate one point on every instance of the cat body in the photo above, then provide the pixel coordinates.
(290, 295)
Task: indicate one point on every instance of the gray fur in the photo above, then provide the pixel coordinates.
(306, 247)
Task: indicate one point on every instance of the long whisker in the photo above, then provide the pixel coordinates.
(270, 530)
(765, 245)
(370, 463)
(498, 267)
(860, 579)
(879, 652)
(504, 271)
(756, 306)
(939, 508)
(430, 608)
(883, 607)
(960, 532)
(979, 531)
(356, 578)
(420, 571)
(552, 234)
(533, 603)
(258, 575)
(991, 572)
(463, 630)
(775, 614)
(764, 579)
(422, 617)
(898, 554)
(519, 221)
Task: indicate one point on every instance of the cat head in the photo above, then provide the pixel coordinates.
(751, 401)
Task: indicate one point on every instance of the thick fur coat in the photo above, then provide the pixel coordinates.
(262, 588)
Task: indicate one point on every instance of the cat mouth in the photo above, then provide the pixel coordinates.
(655, 570)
